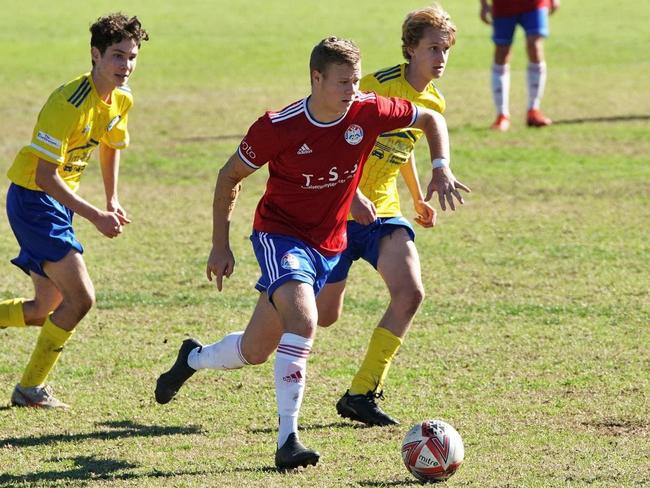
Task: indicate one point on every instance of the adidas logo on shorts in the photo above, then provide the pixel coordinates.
(304, 149)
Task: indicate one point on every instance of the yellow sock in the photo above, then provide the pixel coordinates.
(47, 351)
(11, 313)
(381, 351)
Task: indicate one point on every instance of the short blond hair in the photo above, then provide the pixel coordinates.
(333, 50)
(418, 21)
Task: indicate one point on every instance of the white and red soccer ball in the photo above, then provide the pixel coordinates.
(432, 450)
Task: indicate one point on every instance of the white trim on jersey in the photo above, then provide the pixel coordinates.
(288, 112)
(323, 124)
(56, 157)
(363, 96)
(245, 159)
(415, 114)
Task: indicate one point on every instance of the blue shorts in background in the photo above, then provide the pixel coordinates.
(42, 226)
(535, 23)
(363, 242)
(283, 258)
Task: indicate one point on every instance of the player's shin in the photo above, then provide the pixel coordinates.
(290, 377)
(381, 351)
(46, 353)
(11, 313)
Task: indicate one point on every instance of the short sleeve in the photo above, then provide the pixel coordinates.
(260, 145)
(55, 124)
(396, 113)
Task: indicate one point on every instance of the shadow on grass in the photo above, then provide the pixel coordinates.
(410, 482)
(613, 118)
(332, 425)
(89, 468)
(119, 430)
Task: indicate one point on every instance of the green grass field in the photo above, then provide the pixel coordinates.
(534, 337)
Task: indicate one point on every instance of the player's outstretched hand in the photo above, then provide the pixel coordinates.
(363, 210)
(446, 185)
(220, 263)
(108, 223)
(426, 214)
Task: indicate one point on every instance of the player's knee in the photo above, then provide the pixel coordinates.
(410, 299)
(256, 357)
(328, 317)
(83, 302)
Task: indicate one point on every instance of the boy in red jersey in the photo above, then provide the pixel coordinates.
(532, 15)
(315, 149)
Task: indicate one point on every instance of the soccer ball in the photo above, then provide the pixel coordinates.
(432, 450)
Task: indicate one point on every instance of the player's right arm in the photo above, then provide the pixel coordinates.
(221, 261)
(51, 183)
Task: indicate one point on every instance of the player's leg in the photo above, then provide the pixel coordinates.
(235, 350)
(296, 305)
(503, 34)
(70, 277)
(535, 24)
(330, 303)
(399, 265)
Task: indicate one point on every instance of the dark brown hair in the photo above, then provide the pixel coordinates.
(114, 28)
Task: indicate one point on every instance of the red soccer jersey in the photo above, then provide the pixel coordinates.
(504, 8)
(314, 167)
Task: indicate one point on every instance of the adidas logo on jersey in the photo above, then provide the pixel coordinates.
(304, 149)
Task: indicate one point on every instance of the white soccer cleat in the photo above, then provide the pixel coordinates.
(40, 396)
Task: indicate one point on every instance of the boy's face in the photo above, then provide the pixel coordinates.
(429, 57)
(337, 85)
(114, 67)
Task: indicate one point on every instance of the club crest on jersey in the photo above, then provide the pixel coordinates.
(289, 261)
(353, 135)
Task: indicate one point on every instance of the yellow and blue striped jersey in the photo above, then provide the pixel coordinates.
(392, 149)
(71, 124)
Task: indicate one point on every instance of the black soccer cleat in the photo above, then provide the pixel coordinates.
(293, 454)
(364, 408)
(170, 382)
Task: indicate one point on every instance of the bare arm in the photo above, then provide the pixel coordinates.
(109, 160)
(443, 180)
(362, 209)
(486, 11)
(47, 178)
(426, 215)
(221, 261)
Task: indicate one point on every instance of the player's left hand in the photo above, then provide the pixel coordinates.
(114, 206)
(363, 210)
(555, 4)
(426, 214)
(446, 185)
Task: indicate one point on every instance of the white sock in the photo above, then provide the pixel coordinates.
(536, 83)
(290, 378)
(501, 88)
(225, 354)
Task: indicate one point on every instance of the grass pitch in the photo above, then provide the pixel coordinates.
(533, 340)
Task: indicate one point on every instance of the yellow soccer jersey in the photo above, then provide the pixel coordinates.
(392, 149)
(72, 123)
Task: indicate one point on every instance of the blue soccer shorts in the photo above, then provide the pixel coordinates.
(42, 226)
(283, 258)
(363, 242)
(534, 23)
